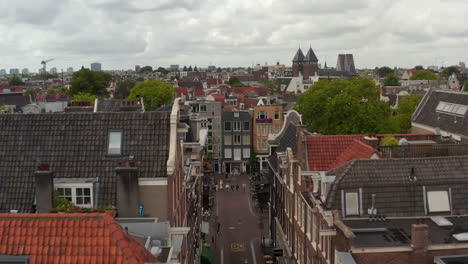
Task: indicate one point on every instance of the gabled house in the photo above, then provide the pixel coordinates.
(129, 160)
(68, 238)
(443, 112)
(236, 141)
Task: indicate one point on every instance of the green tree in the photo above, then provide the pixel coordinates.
(344, 107)
(92, 82)
(273, 87)
(15, 81)
(155, 93)
(449, 70)
(391, 80)
(32, 92)
(82, 97)
(185, 68)
(424, 75)
(389, 141)
(195, 69)
(384, 71)
(162, 70)
(418, 67)
(401, 122)
(253, 162)
(122, 89)
(219, 69)
(234, 82)
(465, 86)
(145, 69)
(190, 68)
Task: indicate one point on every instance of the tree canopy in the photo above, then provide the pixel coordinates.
(384, 71)
(92, 82)
(344, 107)
(195, 69)
(234, 82)
(15, 80)
(145, 69)
(155, 93)
(162, 70)
(81, 97)
(449, 70)
(418, 67)
(424, 75)
(273, 87)
(401, 121)
(185, 68)
(190, 68)
(391, 80)
(122, 89)
(465, 86)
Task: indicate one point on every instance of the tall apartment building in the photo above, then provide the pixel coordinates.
(53, 70)
(2, 72)
(237, 141)
(25, 71)
(206, 116)
(96, 66)
(267, 120)
(14, 71)
(70, 70)
(345, 62)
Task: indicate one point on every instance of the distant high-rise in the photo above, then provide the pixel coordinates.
(25, 71)
(96, 66)
(212, 68)
(305, 65)
(70, 70)
(137, 67)
(345, 62)
(2, 72)
(174, 67)
(14, 71)
(53, 70)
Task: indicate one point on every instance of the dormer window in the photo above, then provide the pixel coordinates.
(115, 143)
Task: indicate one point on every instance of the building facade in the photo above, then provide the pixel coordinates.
(345, 62)
(305, 66)
(237, 141)
(267, 120)
(96, 66)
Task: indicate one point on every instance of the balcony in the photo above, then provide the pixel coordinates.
(264, 120)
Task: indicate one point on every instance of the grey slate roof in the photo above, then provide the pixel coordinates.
(395, 193)
(75, 146)
(310, 56)
(286, 139)
(299, 55)
(427, 115)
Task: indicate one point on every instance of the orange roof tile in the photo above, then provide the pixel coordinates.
(70, 238)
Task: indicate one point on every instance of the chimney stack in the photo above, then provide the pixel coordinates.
(44, 189)
(371, 140)
(128, 194)
(419, 241)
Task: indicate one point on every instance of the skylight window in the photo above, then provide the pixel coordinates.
(352, 203)
(115, 143)
(438, 201)
(450, 108)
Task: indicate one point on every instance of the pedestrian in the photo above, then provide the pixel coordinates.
(237, 187)
(244, 186)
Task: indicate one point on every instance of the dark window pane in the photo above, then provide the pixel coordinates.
(87, 191)
(79, 191)
(87, 200)
(68, 191)
(60, 191)
(68, 198)
(79, 200)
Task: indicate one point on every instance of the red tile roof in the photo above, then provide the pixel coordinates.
(199, 92)
(182, 91)
(326, 152)
(219, 97)
(13, 89)
(261, 91)
(70, 238)
(250, 102)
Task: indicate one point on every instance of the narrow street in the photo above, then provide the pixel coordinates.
(240, 233)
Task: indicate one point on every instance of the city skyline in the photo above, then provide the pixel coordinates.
(121, 34)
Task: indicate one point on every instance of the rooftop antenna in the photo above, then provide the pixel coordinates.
(44, 70)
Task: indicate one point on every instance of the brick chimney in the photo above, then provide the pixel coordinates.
(371, 140)
(44, 189)
(419, 241)
(128, 194)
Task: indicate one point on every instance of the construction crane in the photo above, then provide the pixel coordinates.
(44, 70)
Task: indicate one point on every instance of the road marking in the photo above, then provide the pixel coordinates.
(237, 247)
(232, 227)
(222, 255)
(253, 252)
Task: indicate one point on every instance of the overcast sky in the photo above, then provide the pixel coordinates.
(123, 33)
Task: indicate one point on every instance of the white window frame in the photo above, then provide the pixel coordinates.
(228, 153)
(438, 201)
(237, 154)
(351, 197)
(112, 147)
(236, 126)
(236, 139)
(264, 131)
(246, 152)
(73, 187)
(262, 113)
(203, 106)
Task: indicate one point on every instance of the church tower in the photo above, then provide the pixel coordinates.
(298, 63)
(310, 64)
